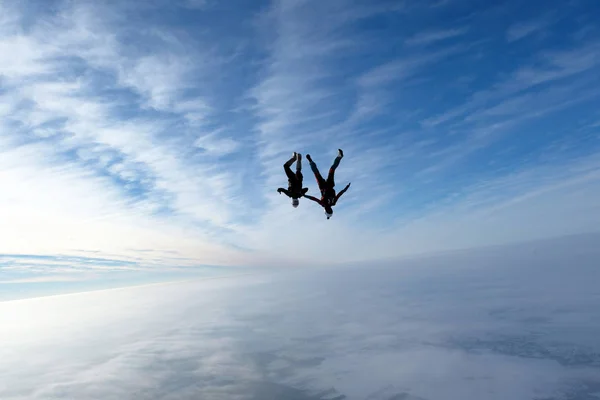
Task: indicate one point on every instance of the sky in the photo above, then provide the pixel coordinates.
(146, 139)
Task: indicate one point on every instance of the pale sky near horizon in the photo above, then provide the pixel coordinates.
(150, 136)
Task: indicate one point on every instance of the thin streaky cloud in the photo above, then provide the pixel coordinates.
(521, 30)
(550, 66)
(404, 68)
(429, 37)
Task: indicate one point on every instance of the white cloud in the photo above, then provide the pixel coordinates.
(450, 327)
(552, 200)
(79, 210)
(214, 145)
(48, 279)
(428, 37)
(58, 204)
(546, 68)
(404, 68)
(195, 4)
(524, 29)
(555, 81)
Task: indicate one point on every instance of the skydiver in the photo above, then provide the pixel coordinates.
(295, 189)
(327, 187)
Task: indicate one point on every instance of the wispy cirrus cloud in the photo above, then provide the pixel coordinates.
(521, 30)
(68, 122)
(404, 67)
(548, 66)
(433, 36)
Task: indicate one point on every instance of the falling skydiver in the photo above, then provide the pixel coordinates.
(327, 187)
(295, 189)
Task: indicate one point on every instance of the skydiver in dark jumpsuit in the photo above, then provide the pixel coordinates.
(329, 198)
(295, 189)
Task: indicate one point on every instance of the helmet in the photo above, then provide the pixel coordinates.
(295, 203)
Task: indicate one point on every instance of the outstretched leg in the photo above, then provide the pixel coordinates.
(287, 165)
(299, 168)
(336, 163)
(315, 170)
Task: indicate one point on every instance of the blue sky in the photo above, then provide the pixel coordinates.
(152, 134)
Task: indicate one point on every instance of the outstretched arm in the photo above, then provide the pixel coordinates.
(280, 190)
(341, 192)
(308, 196)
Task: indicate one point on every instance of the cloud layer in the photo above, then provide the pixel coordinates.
(510, 322)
